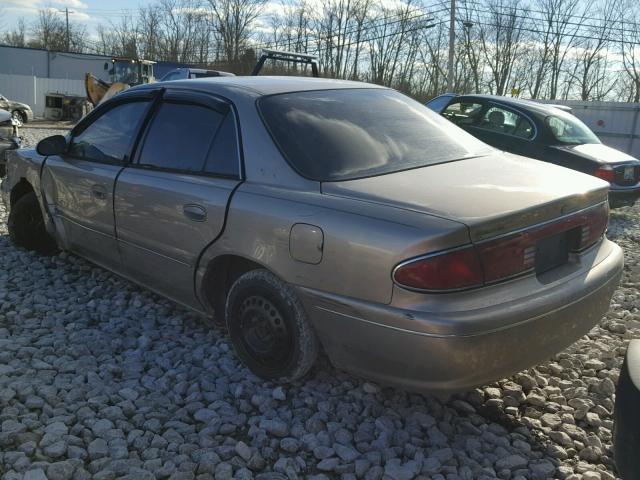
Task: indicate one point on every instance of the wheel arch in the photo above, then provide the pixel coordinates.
(220, 273)
(19, 190)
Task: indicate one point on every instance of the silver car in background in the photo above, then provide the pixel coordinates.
(311, 213)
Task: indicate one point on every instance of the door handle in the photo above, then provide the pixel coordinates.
(197, 213)
(99, 191)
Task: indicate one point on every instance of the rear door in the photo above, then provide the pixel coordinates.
(171, 203)
(78, 186)
(504, 128)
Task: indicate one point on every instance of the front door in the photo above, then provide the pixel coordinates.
(78, 186)
(171, 203)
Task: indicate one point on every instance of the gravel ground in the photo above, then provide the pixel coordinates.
(101, 379)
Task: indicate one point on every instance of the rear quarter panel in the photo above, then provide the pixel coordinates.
(362, 242)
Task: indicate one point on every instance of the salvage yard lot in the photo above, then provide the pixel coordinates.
(102, 379)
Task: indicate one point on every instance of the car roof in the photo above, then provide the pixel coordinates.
(265, 85)
(516, 102)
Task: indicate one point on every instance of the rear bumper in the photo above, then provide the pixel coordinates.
(622, 197)
(437, 349)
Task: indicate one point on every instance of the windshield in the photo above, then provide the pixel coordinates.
(332, 135)
(568, 129)
(125, 71)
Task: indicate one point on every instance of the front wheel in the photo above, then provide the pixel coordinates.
(26, 226)
(19, 117)
(269, 328)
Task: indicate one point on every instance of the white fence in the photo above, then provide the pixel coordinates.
(32, 90)
(617, 124)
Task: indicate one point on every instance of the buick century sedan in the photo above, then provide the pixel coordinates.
(311, 213)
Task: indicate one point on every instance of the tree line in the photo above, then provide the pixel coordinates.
(553, 49)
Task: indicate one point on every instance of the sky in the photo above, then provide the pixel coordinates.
(87, 12)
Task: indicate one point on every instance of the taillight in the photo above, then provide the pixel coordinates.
(605, 173)
(453, 270)
(495, 260)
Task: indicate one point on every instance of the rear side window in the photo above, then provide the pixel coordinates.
(109, 137)
(183, 137)
(223, 158)
(333, 135)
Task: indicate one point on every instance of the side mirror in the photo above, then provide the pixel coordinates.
(55, 145)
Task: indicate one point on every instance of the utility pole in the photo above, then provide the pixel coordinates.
(66, 12)
(452, 45)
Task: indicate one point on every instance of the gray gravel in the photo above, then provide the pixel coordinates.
(101, 379)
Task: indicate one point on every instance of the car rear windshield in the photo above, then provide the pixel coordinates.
(568, 129)
(333, 135)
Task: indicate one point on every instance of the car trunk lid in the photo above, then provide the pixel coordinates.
(625, 168)
(492, 195)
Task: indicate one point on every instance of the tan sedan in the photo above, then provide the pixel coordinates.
(313, 213)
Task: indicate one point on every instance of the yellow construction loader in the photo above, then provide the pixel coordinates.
(124, 73)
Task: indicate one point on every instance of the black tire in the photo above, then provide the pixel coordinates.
(26, 226)
(20, 116)
(269, 328)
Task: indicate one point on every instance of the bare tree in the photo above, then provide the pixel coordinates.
(501, 40)
(233, 21)
(50, 32)
(629, 51)
(17, 37)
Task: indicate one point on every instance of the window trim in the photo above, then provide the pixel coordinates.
(491, 104)
(191, 97)
(149, 96)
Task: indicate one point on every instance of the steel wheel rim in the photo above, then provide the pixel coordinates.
(264, 332)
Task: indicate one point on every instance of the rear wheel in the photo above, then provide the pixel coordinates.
(269, 328)
(19, 117)
(26, 226)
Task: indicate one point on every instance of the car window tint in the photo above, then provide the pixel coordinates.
(180, 136)
(463, 113)
(437, 104)
(333, 135)
(505, 121)
(109, 137)
(223, 158)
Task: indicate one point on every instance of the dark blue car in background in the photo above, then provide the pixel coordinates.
(544, 132)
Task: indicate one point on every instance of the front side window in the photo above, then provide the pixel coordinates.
(333, 135)
(109, 137)
(463, 113)
(506, 121)
(568, 129)
(191, 138)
